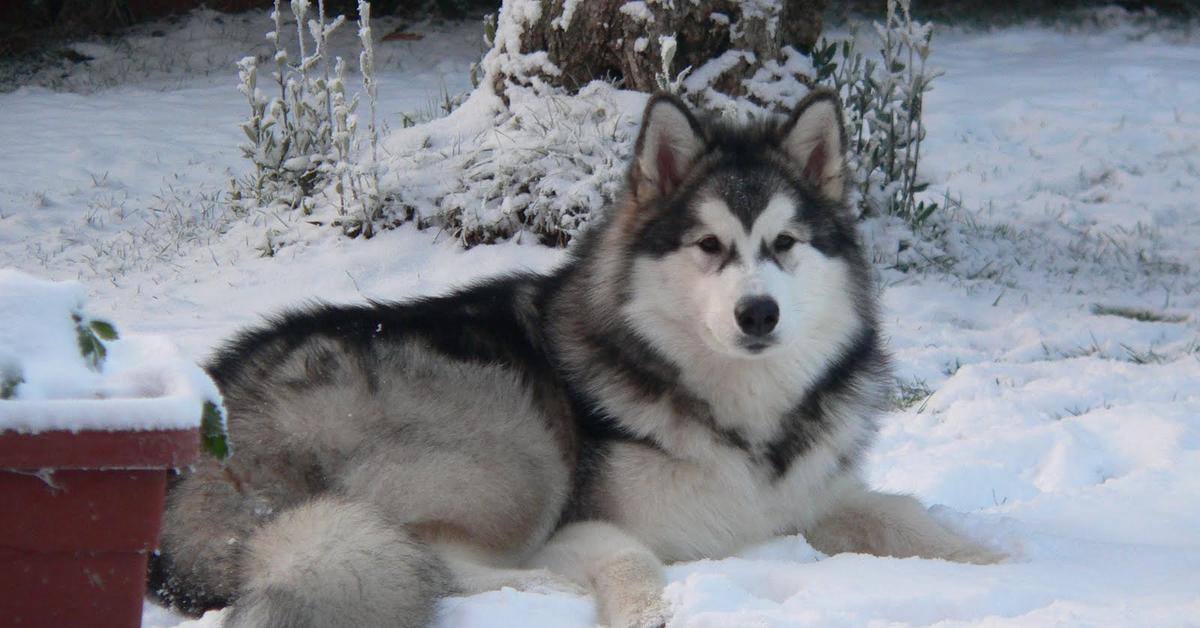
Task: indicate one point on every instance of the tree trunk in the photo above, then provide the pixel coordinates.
(569, 43)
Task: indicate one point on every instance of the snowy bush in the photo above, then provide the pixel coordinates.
(883, 100)
(538, 162)
(553, 158)
(305, 137)
(522, 156)
(540, 165)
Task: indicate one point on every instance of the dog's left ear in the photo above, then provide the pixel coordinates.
(815, 139)
(670, 142)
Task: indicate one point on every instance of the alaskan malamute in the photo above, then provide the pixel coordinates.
(703, 374)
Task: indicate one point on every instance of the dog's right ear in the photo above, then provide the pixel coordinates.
(668, 145)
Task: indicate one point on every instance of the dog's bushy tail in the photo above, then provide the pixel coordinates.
(328, 562)
(334, 563)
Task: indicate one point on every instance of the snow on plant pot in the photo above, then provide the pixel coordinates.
(89, 425)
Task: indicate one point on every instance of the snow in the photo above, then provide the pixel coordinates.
(1034, 416)
(141, 381)
(481, 174)
(638, 11)
(505, 58)
(1101, 137)
(563, 21)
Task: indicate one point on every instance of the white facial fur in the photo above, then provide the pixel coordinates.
(687, 298)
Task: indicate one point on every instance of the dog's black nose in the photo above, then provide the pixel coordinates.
(757, 316)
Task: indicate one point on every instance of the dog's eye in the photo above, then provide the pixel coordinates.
(710, 244)
(783, 242)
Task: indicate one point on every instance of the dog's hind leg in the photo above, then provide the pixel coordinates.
(625, 576)
(206, 524)
(884, 524)
(334, 563)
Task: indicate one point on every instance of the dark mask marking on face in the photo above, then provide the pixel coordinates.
(765, 253)
(730, 257)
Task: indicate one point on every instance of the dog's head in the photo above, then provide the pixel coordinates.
(739, 237)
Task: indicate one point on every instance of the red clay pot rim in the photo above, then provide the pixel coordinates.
(97, 449)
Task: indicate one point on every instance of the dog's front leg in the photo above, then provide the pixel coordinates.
(625, 576)
(884, 524)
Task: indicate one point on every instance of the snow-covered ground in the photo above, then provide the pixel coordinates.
(1049, 347)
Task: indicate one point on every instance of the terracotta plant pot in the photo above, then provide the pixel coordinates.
(81, 512)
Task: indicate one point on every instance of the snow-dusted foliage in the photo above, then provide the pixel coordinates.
(304, 138)
(536, 161)
(366, 173)
(774, 88)
(550, 159)
(529, 157)
(883, 99)
(541, 165)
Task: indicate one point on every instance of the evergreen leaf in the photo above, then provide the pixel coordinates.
(104, 329)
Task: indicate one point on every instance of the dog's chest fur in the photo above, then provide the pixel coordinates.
(706, 486)
(685, 509)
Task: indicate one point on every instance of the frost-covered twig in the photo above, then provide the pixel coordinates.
(666, 83)
(366, 62)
